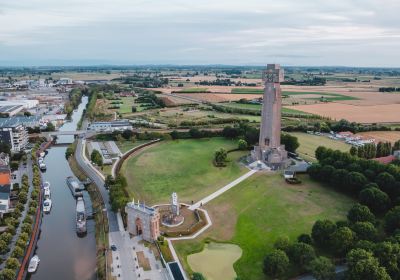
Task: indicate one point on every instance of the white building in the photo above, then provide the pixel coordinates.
(14, 134)
(110, 126)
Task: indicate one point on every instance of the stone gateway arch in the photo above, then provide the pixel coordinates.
(269, 149)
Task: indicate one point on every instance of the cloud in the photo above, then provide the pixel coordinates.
(204, 31)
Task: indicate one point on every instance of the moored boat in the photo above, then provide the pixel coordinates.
(75, 186)
(42, 166)
(47, 205)
(33, 264)
(80, 216)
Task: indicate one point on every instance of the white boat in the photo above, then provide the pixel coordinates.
(47, 205)
(33, 264)
(46, 185)
(42, 154)
(46, 192)
(42, 166)
(40, 160)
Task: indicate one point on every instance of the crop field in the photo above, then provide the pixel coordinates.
(388, 113)
(258, 211)
(182, 166)
(382, 136)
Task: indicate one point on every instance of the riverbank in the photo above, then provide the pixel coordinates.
(101, 222)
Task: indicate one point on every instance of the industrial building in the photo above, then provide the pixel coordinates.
(110, 126)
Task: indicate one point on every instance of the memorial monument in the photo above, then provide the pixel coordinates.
(269, 149)
(143, 220)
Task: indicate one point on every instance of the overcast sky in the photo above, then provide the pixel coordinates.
(237, 32)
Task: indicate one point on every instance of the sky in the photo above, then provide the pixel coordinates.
(235, 32)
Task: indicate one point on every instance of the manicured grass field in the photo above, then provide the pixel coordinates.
(182, 166)
(327, 95)
(309, 143)
(261, 209)
(125, 146)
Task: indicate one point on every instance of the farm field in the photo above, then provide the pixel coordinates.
(258, 211)
(382, 136)
(388, 113)
(182, 166)
(309, 143)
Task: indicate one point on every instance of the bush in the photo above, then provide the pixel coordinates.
(18, 252)
(360, 213)
(12, 263)
(322, 269)
(276, 263)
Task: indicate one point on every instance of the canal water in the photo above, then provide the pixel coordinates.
(64, 255)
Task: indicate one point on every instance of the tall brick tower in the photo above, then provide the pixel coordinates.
(269, 149)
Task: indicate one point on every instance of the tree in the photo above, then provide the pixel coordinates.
(242, 145)
(362, 265)
(386, 182)
(291, 143)
(356, 181)
(276, 263)
(50, 127)
(96, 157)
(342, 240)
(127, 134)
(360, 213)
(198, 276)
(7, 274)
(388, 255)
(322, 232)
(301, 254)
(282, 243)
(305, 238)
(18, 252)
(365, 231)
(322, 269)
(195, 133)
(353, 151)
(3, 247)
(220, 157)
(375, 199)
(12, 263)
(392, 220)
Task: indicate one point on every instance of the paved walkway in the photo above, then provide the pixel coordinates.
(222, 190)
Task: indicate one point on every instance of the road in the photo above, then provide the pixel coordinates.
(123, 263)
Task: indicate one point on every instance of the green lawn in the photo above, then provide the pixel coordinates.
(193, 90)
(125, 146)
(259, 210)
(257, 107)
(309, 143)
(327, 95)
(182, 166)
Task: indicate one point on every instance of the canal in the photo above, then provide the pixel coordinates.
(64, 255)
